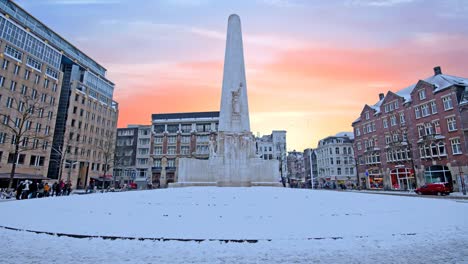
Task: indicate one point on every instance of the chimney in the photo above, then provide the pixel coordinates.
(437, 70)
(381, 96)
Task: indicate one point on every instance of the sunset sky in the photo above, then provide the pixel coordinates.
(311, 65)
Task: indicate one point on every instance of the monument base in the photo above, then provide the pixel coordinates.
(224, 184)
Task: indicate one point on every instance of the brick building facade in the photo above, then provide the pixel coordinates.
(415, 136)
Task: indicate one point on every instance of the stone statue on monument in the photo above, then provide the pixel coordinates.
(235, 100)
(212, 146)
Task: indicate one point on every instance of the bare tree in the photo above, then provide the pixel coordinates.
(65, 153)
(107, 149)
(24, 110)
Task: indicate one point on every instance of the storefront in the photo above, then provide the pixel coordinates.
(437, 173)
(375, 179)
(402, 179)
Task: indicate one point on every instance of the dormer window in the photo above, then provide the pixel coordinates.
(422, 94)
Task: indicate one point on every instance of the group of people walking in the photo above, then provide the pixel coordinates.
(37, 189)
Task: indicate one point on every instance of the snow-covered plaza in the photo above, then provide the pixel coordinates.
(281, 226)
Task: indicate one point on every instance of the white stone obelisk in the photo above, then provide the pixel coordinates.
(233, 157)
(234, 111)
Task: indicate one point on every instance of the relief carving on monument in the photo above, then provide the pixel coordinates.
(213, 146)
(235, 100)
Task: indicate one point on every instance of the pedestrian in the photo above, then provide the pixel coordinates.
(33, 190)
(54, 187)
(40, 189)
(25, 192)
(46, 189)
(68, 188)
(19, 190)
(58, 190)
(62, 187)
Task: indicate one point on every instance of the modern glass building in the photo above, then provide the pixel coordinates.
(86, 115)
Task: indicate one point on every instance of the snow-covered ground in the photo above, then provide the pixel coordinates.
(292, 225)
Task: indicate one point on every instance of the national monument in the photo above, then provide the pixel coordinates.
(233, 157)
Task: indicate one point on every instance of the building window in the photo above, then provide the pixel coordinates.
(433, 107)
(13, 86)
(185, 150)
(186, 128)
(402, 118)
(425, 110)
(393, 120)
(452, 124)
(367, 116)
(429, 130)
(388, 139)
(16, 70)
(417, 112)
(421, 131)
(9, 102)
(358, 131)
(437, 127)
(171, 150)
(442, 152)
(158, 150)
(157, 163)
(26, 74)
(24, 90)
(33, 63)
(447, 103)
(13, 53)
(385, 123)
(172, 128)
(5, 64)
(422, 94)
(202, 149)
(172, 139)
(456, 146)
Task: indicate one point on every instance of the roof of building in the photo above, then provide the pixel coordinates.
(185, 115)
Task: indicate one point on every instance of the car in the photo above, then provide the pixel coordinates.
(440, 188)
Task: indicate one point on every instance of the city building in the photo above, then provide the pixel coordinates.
(178, 135)
(132, 156)
(414, 136)
(125, 155)
(296, 169)
(76, 128)
(335, 161)
(273, 146)
(143, 177)
(311, 169)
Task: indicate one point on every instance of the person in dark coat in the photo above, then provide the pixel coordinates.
(58, 190)
(19, 190)
(68, 188)
(33, 190)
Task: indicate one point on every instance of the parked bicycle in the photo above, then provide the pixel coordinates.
(6, 194)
